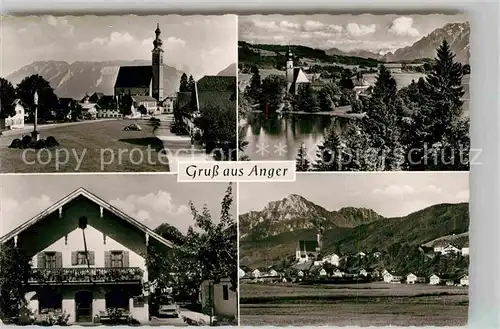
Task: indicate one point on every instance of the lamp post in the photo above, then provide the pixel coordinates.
(35, 134)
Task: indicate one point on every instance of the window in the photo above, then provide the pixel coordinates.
(225, 292)
(50, 260)
(81, 258)
(116, 259)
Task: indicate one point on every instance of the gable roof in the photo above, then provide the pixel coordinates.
(308, 245)
(216, 91)
(216, 83)
(92, 197)
(134, 77)
(299, 76)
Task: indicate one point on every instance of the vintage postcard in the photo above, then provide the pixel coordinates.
(355, 92)
(385, 250)
(133, 249)
(116, 93)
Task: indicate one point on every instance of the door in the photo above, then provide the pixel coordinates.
(83, 302)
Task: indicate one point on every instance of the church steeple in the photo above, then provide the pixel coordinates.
(157, 65)
(157, 43)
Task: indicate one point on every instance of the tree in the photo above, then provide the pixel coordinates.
(273, 91)
(218, 131)
(15, 271)
(7, 98)
(142, 109)
(252, 92)
(329, 97)
(47, 99)
(207, 252)
(329, 155)
(76, 111)
(302, 162)
(305, 99)
(125, 105)
(190, 84)
(183, 86)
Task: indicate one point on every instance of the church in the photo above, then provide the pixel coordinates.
(295, 76)
(144, 83)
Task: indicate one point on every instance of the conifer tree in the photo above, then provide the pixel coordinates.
(190, 84)
(302, 163)
(329, 155)
(183, 87)
(253, 90)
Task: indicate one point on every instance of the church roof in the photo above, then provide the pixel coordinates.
(134, 77)
(216, 91)
(308, 245)
(143, 98)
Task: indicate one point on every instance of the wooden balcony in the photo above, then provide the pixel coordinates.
(85, 275)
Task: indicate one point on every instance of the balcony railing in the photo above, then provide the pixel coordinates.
(86, 275)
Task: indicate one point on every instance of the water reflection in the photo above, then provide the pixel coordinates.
(278, 137)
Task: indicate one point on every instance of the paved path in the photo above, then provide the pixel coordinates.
(29, 128)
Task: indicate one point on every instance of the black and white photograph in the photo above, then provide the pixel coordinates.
(111, 250)
(380, 249)
(116, 93)
(355, 92)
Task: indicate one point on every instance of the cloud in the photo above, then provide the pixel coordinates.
(289, 25)
(15, 213)
(154, 209)
(403, 26)
(317, 26)
(359, 30)
(60, 23)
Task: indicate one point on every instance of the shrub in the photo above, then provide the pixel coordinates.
(25, 141)
(39, 144)
(51, 142)
(16, 144)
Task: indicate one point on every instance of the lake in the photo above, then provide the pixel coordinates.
(282, 135)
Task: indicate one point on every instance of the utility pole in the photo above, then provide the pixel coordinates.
(34, 134)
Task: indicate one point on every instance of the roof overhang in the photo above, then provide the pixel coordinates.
(92, 197)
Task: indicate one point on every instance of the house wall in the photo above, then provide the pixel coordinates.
(16, 121)
(465, 251)
(225, 307)
(133, 91)
(434, 280)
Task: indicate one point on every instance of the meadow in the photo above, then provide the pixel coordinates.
(378, 304)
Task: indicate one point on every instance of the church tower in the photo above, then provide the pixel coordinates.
(157, 66)
(289, 69)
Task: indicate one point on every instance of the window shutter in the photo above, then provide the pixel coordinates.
(74, 258)
(125, 259)
(59, 259)
(91, 258)
(40, 261)
(107, 259)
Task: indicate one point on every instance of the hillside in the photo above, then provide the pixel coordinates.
(359, 230)
(76, 79)
(229, 71)
(457, 35)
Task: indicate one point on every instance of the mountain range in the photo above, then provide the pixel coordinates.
(457, 35)
(79, 78)
(270, 235)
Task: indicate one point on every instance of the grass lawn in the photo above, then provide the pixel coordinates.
(374, 304)
(88, 147)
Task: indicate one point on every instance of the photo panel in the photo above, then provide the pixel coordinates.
(355, 92)
(114, 250)
(364, 249)
(117, 93)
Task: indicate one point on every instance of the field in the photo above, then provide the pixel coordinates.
(377, 304)
(88, 147)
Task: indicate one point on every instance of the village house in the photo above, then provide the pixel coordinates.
(333, 259)
(89, 109)
(256, 273)
(241, 273)
(388, 277)
(224, 300)
(87, 257)
(148, 102)
(450, 250)
(465, 250)
(377, 254)
(434, 280)
(411, 278)
(363, 272)
(323, 272)
(15, 121)
(272, 273)
(338, 273)
(464, 280)
(167, 105)
(360, 254)
(108, 107)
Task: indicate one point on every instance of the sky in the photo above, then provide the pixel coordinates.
(199, 45)
(375, 33)
(151, 199)
(391, 194)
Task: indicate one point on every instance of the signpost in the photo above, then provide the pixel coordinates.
(34, 134)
